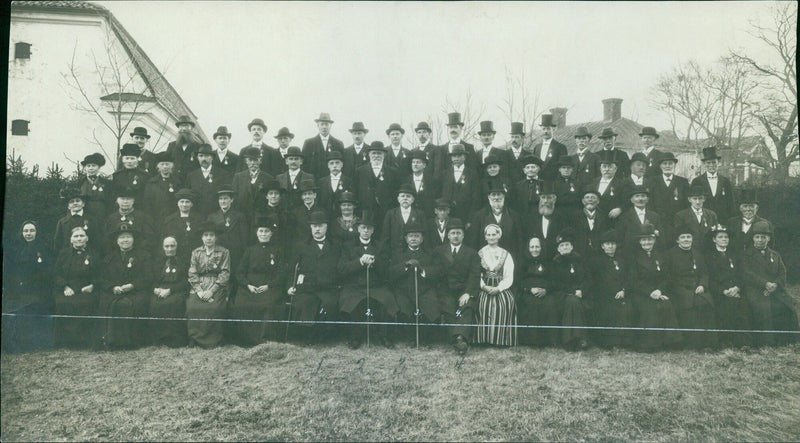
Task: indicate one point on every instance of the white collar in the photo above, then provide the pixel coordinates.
(640, 211)
(294, 173)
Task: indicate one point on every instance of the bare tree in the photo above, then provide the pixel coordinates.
(775, 108)
(520, 104)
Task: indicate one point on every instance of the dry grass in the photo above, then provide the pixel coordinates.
(283, 392)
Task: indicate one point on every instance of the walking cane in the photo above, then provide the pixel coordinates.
(416, 302)
(369, 312)
(291, 302)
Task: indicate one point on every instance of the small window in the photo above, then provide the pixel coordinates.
(22, 51)
(19, 127)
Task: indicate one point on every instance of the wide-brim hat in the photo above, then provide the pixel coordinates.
(458, 149)
(126, 192)
(358, 127)
(123, 228)
(413, 227)
(566, 235)
(582, 131)
(226, 190)
(418, 154)
(710, 153)
(395, 127)
(610, 236)
(442, 203)
(266, 221)
(716, 229)
(257, 122)
(140, 131)
(492, 159)
(649, 130)
(486, 126)
(185, 119)
(209, 226)
(696, 191)
(454, 223)
(639, 157)
(376, 146)
(284, 132)
(638, 189)
(423, 126)
(565, 160)
(163, 157)
(646, 230)
(748, 196)
(589, 189)
(251, 152)
(69, 193)
(607, 133)
(272, 185)
(347, 197)
(517, 128)
(335, 155)
(94, 159)
(130, 150)
(308, 185)
(185, 193)
(762, 227)
(454, 119)
(367, 218)
(548, 120)
(406, 188)
(682, 228)
(205, 149)
(222, 130)
(667, 156)
(530, 159)
(324, 117)
(318, 218)
(294, 151)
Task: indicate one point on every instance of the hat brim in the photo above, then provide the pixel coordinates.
(179, 123)
(487, 132)
(642, 134)
(290, 135)
(228, 134)
(147, 136)
(317, 120)
(402, 131)
(365, 130)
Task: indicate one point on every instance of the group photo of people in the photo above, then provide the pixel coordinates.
(389, 243)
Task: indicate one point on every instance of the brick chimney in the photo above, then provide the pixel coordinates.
(612, 109)
(559, 116)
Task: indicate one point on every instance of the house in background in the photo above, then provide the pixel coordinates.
(47, 119)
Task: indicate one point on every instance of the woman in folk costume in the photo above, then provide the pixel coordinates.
(610, 292)
(687, 284)
(570, 283)
(209, 276)
(497, 311)
(76, 277)
(260, 295)
(168, 298)
(648, 285)
(536, 303)
(125, 287)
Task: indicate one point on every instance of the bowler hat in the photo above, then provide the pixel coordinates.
(649, 130)
(123, 228)
(646, 230)
(682, 228)
(413, 227)
(418, 154)
(639, 157)
(222, 130)
(610, 236)
(257, 122)
(566, 235)
(251, 152)
(607, 133)
(762, 227)
(589, 189)
(347, 197)
(94, 159)
(163, 157)
(607, 157)
(376, 146)
(225, 190)
(317, 218)
(454, 223)
(667, 156)
(126, 192)
(141, 132)
(442, 203)
(696, 191)
(406, 188)
(457, 150)
(582, 131)
(335, 155)
(358, 127)
(308, 185)
(565, 160)
(710, 153)
(367, 218)
(70, 193)
(395, 127)
(206, 149)
(422, 126)
(184, 194)
(284, 132)
(639, 189)
(487, 126)
(184, 119)
(547, 120)
(529, 159)
(324, 117)
(517, 128)
(748, 196)
(454, 119)
(294, 151)
(130, 149)
(267, 221)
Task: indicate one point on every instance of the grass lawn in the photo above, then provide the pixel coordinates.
(279, 391)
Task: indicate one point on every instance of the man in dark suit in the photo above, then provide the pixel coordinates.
(421, 179)
(396, 219)
(248, 184)
(77, 216)
(630, 223)
(460, 185)
(159, 193)
(498, 213)
(545, 222)
(184, 149)
(649, 136)
(455, 128)
(609, 186)
(133, 217)
(233, 227)
(486, 148)
(224, 158)
(333, 185)
(620, 157)
(257, 129)
(206, 181)
(696, 218)
(458, 287)
(549, 150)
(355, 155)
(740, 226)
(376, 183)
(516, 153)
(668, 194)
(587, 163)
(396, 154)
(527, 190)
(436, 226)
(291, 179)
(638, 166)
(718, 189)
(316, 149)
(589, 225)
(140, 137)
(275, 162)
(433, 153)
(301, 214)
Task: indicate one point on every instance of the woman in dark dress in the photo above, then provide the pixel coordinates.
(76, 277)
(184, 224)
(125, 289)
(571, 283)
(536, 303)
(344, 229)
(260, 276)
(27, 291)
(609, 291)
(209, 279)
(725, 286)
(648, 282)
(168, 300)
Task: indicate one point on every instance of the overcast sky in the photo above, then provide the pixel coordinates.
(390, 62)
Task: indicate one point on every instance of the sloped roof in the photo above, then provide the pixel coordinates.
(160, 88)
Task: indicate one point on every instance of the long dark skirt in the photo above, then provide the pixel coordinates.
(123, 332)
(615, 313)
(202, 330)
(76, 332)
(540, 311)
(249, 306)
(772, 313)
(699, 316)
(30, 327)
(656, 314)
(574, 314)
(168, 332)
(733, 313)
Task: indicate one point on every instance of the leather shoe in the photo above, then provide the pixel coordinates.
(461, 345)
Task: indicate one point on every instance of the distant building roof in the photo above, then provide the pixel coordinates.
(158, 85)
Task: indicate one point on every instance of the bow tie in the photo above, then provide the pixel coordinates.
(76, 214)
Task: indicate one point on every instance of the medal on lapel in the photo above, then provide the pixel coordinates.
(130, 262)
(421, 187)
(38, 257)
(587, 169)
(571, 187)
(100, 189)
(771, 258)
(380, 176)
(225, 162)
(227, 221)
(540, 268)
(339, 187)
(135, 179)
(611, 191)
(85, 226)
(571, 269)
(170, 188)
(463, 180)
(188, 226)
(694, 265)
(94, 187)
(658, 266)
(723, 191)
(676, 194)
(616, 266)
(731, 263)
(210, 177)
(86, 262)
(174, 270)
(123, 218)
(272, 260)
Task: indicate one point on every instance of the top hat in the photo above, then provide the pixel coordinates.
(367, 218)
(762, 227)
(582, 131)
(646, 230)
(422, 126)
(609, 236)
(347, 197)
(162, 157)
(638, 189)
(335, 155)
(257, 122)
(324, 117)
(222, 130)
(317, 218)
(607, 133)
(130, 149)
(696, 191)
(418, 154)
(547, 120)
(639, 157)
(454, 223)
(649, 130)
(184, 119)
(667, 156)
(529, 159)
(376, 146)
(267, 221)
(566, 235)
(225, 190)
(251, 152)
(406, 188)
(70, 193)
(607, 156)
(517, 128)
(710, 153)
(206, 149)
(442, 203)
(748, 196)
(141, 132)
(457, 150)
(496, 186)
(358, 127)
(95, 159)
(487, 126)
(284, 132)
(454, 118)
(548, 188)
(184, 194)
(308, 185)
(395, 127)
(294, 151)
